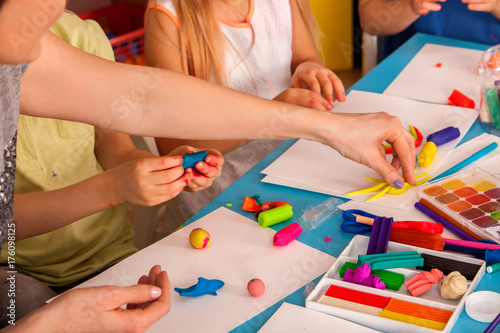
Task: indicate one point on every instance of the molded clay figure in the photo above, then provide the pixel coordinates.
(203, 287)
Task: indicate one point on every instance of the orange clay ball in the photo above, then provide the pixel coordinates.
(256, 287)
(199, 238)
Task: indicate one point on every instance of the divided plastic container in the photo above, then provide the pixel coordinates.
(431, 298)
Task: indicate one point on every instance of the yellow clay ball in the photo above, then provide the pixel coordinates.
(199, 238)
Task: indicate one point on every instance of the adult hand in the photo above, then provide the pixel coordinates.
(360, 137)
(204, 172)
(303, 97)
(319, 79)
(149, 181)
(98, 309)
(423, 7)
(487, 6)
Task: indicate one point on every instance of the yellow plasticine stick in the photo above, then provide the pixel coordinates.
(427, 154)
(379, 194)
(423, 181)
(421, 175)
(368, 190)
(375, 180)
(395, 191)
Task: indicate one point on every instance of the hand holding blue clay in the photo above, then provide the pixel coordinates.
(203, 287)
(190, 160)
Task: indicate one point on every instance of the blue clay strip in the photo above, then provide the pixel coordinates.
(190, 160)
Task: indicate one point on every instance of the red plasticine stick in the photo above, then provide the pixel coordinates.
(460, 99)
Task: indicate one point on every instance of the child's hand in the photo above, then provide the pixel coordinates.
(98, 309)
(482, 5)
(303, 97)
(319, 79)
(423, 7)
(205, 172)
(149, 181)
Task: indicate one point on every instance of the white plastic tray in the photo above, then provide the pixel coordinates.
(431, 298)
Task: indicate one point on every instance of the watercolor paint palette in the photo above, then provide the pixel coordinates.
(471, 198)
(369, 306)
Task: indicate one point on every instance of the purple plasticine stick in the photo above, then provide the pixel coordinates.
(287, 234)
(379, 237)
(385, 233)
(373, 242)
(443, 136)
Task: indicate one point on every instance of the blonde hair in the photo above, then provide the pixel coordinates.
(202, 42)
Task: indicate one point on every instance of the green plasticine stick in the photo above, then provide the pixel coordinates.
(275, 215)
(492, 101)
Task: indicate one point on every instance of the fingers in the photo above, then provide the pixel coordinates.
(145, 315)
(309, 99)
(404, 148)
(161, 306)
(214, 158)
(338, 87)
(481, 5)
(153, 274)
(137, 294)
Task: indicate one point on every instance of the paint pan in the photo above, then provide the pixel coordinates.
(471, 198)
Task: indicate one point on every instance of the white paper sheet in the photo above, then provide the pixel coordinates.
(293, 318)
(322, 169)
(239, 250)
(422, 80)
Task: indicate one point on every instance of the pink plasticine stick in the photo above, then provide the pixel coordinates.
(471, 244)
(287, 234)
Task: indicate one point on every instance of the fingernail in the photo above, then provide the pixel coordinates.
(208, 159)
(398, 183)
(155, 292)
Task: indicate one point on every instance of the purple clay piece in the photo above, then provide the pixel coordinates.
(373, 242)
(443, 136)
(370, 281)
(379, 238)
(377, 283)
(361, 273)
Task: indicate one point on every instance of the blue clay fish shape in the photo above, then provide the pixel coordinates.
(203, 287)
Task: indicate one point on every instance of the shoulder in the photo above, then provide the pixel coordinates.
(86, 35)
(166, 7)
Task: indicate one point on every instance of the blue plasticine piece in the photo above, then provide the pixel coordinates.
(392, 260)
(443, 136)
(190, 160)
(203, 287)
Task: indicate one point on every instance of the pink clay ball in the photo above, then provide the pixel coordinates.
(256, 287)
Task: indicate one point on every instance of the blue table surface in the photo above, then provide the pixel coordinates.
(249, 184)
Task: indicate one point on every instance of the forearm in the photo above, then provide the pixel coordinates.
(385, 17)
(165, 146)
(42, 212)
(148, 101)
(41, 320)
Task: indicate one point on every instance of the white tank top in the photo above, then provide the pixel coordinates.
(265, 71)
